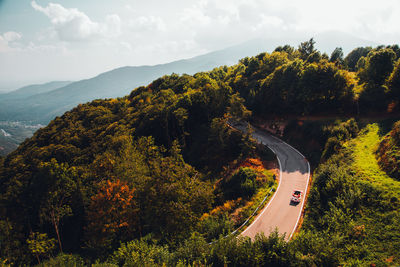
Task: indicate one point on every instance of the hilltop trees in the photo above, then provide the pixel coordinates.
(394, 83)
(294, 87)
(337, 56)
(374, 70)
(306, 49)
(330, 90)
(378, 66)
(286, 48)
(354, 56)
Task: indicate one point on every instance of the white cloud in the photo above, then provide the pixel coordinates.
(7, 38)
(268, 22)
(12, 36)
(74, 25)
(125, 45)
(113, 26)
(147, 23)
(195, 16)
(218, 24)
(365, 18)
(3, 44)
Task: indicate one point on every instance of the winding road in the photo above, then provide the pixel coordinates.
(294, 175)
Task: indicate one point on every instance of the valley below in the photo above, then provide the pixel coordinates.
(12, 133)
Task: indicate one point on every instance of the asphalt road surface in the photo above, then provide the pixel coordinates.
(280, 213)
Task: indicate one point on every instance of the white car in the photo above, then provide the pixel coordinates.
(296, 196)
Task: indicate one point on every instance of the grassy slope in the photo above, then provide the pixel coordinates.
(366, 163)
(382, 225)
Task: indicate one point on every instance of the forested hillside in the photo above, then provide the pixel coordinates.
(147, 179)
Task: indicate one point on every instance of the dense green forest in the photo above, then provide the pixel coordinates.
(151, 178)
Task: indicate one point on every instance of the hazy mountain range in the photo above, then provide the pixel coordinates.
(34, 89)
(41, 103)
(38, 104)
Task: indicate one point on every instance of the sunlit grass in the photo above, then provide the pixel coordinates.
(379, 217)
(365, 161)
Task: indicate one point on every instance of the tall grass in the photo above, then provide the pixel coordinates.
(366, 164)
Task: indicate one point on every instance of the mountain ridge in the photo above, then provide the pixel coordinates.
(33, 89)
(42, 107)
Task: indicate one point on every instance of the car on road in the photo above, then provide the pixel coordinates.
(296, 196)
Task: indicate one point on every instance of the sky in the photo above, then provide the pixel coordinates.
(42, 40)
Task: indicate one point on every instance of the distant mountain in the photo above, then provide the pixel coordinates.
(45, 106)
(44, 102)
(31, 90)
(328, 41)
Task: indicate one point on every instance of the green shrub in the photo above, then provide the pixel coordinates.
(142, 252)
(64, 260)
(214, 226)
(241, 184)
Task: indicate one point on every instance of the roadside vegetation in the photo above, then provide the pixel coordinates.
(355, 204)
(389, 152)
(147, 179)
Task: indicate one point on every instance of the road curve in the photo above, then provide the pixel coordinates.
(294, 175)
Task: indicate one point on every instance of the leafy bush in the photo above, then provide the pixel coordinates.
(212, 227)
(241, 184)
(64, 260)
(142, 252)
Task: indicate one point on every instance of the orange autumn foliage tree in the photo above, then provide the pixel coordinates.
(112, 213)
